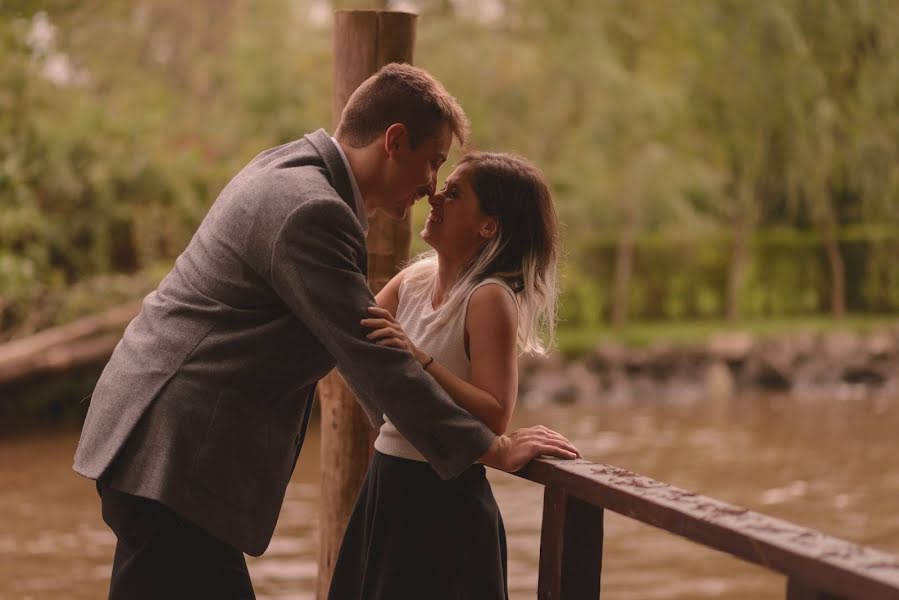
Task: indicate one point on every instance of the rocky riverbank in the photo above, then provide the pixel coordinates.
(843, 365)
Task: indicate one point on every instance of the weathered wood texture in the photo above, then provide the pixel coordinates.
(570, 548)
(796, 590)
(364, 41)
(85, 341)
(835, 568)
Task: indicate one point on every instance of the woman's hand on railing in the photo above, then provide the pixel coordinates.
(512, 452)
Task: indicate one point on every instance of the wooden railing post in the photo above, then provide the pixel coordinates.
(797, 590)
(570, 548)
(818, 566)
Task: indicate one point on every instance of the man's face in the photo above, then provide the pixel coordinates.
(412, 172)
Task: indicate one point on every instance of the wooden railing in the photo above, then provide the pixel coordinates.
(817, 566)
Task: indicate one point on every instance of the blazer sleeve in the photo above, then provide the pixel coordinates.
(315, 270)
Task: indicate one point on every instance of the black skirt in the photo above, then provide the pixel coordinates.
(414, 535)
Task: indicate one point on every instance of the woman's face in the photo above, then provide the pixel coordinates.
(456, 227)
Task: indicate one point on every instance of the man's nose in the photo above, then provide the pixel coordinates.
(426, 190)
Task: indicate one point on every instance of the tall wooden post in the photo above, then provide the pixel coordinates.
(364, 41)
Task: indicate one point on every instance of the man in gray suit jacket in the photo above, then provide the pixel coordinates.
(195, 424)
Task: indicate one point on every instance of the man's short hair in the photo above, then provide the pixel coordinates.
(400, 93)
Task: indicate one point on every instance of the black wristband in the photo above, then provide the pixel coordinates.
(428, 363)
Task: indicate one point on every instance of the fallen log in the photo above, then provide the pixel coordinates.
(85, 341)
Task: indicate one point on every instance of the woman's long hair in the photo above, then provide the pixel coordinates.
(523, 254)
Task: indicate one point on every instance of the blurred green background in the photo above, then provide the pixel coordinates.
(720, 167)
(714, 162)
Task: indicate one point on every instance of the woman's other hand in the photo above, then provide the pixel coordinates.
(387, 332)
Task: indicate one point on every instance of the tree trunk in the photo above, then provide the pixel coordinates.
(737, 271)
(735, 276)
(364, 41)
(624, 267)
(837, 270)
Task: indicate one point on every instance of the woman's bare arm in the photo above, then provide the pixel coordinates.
(492, 330)
(491, 325)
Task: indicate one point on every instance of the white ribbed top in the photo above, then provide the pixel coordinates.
(445, 342)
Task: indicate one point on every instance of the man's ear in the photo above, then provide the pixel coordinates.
(394, 137)
(489, 228)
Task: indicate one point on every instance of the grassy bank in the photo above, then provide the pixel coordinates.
(55, 398)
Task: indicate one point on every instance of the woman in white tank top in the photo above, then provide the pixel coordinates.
(486, 292)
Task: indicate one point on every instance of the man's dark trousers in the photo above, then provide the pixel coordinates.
(160, 556)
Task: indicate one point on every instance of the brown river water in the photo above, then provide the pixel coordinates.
(831, 465)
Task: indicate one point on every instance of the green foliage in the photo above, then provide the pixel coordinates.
(683, 277)
(574, 342)
(689, 126)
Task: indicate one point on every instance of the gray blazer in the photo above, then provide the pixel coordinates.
(205, 401)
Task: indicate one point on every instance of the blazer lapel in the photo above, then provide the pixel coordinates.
(337, 172)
